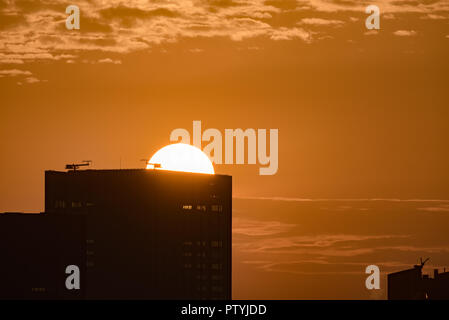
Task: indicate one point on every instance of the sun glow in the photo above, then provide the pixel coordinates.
(181, 157)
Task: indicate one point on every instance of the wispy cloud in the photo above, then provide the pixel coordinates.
(108, 60)
(320, 22)
(15, 72)
(250, 227)
(431, 16)
(371, 33)
(37, 30)
(320, 244)
(441, 208)
(388, 16)
(34, 31)
(290, 34)
(32, 80)
(293, 199)
(405, 33)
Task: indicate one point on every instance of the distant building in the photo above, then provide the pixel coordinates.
(411, 284)
(150, 234)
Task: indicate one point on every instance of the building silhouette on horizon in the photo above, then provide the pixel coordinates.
(134, 233)
(412, 284)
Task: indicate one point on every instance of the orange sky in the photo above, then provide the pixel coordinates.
(360, 114)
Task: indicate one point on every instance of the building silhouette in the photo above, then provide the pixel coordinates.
(141, 234)
(412, 284)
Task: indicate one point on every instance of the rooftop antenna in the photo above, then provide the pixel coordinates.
(75, 166)
(423, 262)
(152, 165)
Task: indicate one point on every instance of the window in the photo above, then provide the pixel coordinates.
(216, 244)
(216, 266)
(59, 204)
(217, 208)
(201, 243)
(201, 207)
(187, 207)
(76, 204)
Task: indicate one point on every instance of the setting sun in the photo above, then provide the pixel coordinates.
(181, 157)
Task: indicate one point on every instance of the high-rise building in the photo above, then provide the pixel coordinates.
(149, 234)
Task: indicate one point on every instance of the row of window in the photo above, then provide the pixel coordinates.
(62, 204)
(203, 207)
(213, 244)
(213, 266)
(214, 254)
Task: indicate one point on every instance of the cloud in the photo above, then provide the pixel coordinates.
(32, 80)
(196, 50)
(388, 16)
(371, 33)
(129, 16)
(290, 34)
(29, 78)
(11, 61)
(387, 6)
(14, 72)
(432, 16)
(17, 54)
(39, 32)
(321, 244)
(320, 22)
(441, 208)
(404, 33)
(292, 199)
(34, 31)
(108, 60)
(250, 227)
(405, 248)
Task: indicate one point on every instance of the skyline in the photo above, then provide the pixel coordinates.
(318, 249)
(360, 114)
